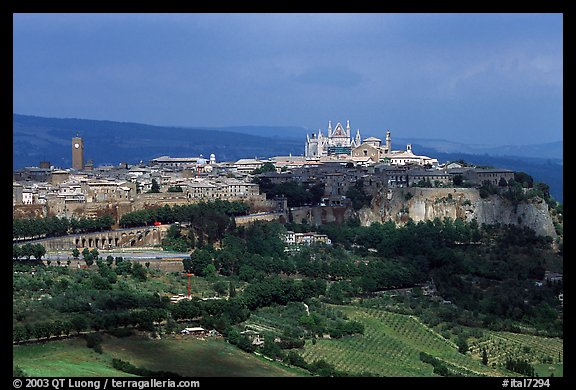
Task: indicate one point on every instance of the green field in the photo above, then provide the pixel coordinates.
(546, 354)
(186, 356)
(391, 345)
(68, 358)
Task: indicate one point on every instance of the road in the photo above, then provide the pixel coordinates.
(144, 254)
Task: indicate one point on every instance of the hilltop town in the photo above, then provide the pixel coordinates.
(335, 163)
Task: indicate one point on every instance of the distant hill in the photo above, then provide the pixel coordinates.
(549, 171)
(107, 142)
(37, 138)
(551, 150)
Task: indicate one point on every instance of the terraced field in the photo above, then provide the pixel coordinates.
(536, 350)
(391, 345)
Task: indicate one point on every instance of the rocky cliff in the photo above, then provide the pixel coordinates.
(421, 204)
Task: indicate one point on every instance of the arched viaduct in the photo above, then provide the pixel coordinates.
(121, 238)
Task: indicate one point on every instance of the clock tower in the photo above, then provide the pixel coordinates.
(77, 153)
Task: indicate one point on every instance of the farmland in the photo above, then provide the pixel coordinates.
(391, 347)
(186, 356)
(392, 342)
(545, 354)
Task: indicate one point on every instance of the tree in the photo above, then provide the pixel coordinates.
(484, 357)
(27, 250)
(79, 323)
(524, 179)
(266, 167)
(19, 333)
(231, 290)
(89, 259)
(209, 271)
(155, 187)
(139, 272)
(219, 287)
(75, 253)
(16, 252)
(43, 329)
(462, 345)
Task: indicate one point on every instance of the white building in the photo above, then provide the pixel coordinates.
(338, 141)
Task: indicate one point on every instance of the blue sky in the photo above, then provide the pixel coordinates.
(475, 78)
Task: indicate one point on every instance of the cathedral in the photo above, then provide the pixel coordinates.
(337, 141)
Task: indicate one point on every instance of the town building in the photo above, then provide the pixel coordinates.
(291, 238)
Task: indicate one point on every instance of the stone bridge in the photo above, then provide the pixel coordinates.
(121, 238)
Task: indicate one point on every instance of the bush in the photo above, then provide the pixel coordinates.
(93, 339)
(17, 372)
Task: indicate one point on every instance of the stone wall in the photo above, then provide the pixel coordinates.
(421, 204)
(321, 215)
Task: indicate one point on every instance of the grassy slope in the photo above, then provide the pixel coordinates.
(391, 346)
(187, 356)
(64, 358)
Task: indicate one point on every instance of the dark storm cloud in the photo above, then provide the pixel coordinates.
(478, 78)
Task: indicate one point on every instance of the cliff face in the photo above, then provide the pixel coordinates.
(421, 204)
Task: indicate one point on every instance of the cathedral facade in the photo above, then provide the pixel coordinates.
(337, 141)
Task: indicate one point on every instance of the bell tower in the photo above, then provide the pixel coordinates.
(77, 153)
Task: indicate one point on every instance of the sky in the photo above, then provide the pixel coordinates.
(491, 79)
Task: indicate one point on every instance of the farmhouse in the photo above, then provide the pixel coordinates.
(196, 331)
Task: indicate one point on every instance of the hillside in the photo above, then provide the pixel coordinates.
(391, 346)
(36, 139)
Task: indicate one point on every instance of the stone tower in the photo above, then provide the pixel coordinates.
(77, 153)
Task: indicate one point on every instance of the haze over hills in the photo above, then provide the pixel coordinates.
(548, 150)
(107, 142)
(38, 138)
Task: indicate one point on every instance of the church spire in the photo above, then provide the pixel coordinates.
(348, 128)
(358, 139)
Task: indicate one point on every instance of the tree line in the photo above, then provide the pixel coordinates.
(297, 194)
(56, 226)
